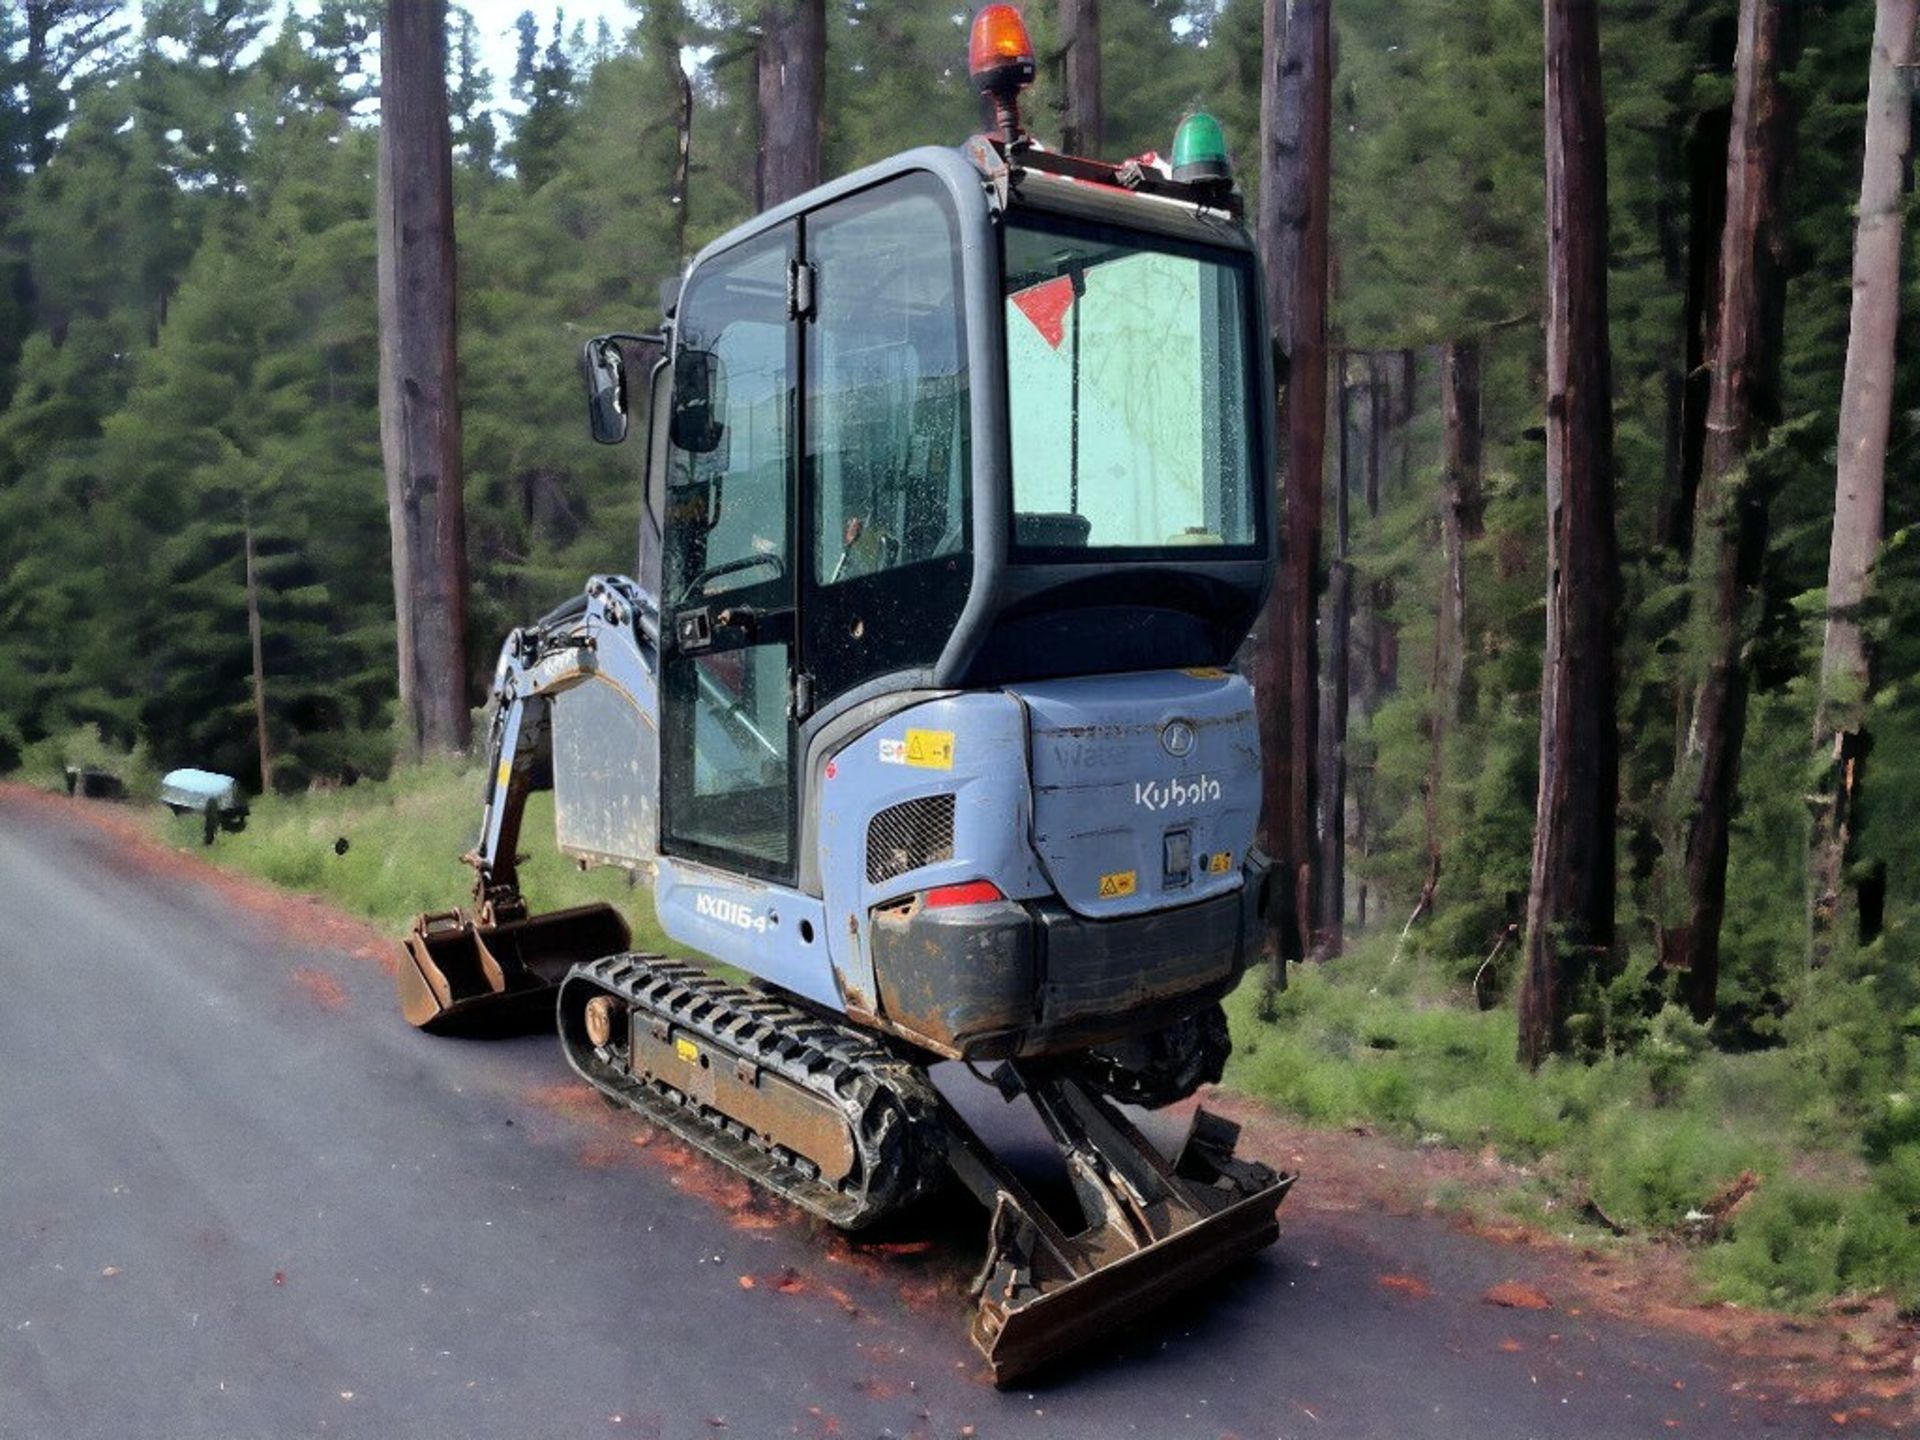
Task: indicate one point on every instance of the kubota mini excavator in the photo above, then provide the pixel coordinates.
(917, 712)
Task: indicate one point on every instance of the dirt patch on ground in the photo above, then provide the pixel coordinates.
(321, 988)
(135, 847)
(1512, 1295)
(618, 1138)
(1411, 1286)
(1833, 1360)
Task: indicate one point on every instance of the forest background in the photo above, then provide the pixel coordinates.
(189, 352)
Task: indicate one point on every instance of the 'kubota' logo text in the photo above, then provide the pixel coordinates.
(1175, 794)
(728, 912)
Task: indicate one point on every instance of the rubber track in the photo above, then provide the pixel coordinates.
(889, 1106)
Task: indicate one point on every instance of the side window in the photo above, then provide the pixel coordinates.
(728, 418)
(726, 738)
(886, 385)
(888, 477)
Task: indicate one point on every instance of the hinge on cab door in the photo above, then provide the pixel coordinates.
(799, 694)
(800, 279)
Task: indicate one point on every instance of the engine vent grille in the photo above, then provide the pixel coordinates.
(906, 836)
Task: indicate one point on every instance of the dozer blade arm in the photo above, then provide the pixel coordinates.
(1154, 1227)
(497, 970)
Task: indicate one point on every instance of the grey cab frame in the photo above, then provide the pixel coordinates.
(1024, 616)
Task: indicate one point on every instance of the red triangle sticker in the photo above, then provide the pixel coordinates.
(1046, 305)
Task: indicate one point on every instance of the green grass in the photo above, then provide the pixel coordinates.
(1651, 1135)
(404, 840)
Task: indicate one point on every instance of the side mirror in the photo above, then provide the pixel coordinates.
(606, 377)
(699, 398)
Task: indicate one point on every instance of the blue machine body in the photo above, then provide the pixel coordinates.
(918, 709)
(1102, 798)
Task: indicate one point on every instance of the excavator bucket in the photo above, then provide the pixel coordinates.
(1155, 1228)
(463, 978)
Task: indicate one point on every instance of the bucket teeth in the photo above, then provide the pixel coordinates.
(1153, 1229)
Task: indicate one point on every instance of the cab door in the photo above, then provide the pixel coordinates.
(889, 466)
(728, 589)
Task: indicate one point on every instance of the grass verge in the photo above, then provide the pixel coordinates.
(403, 839)
(1783, 1188)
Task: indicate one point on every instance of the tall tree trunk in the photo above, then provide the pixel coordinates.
(682, 160)
(259, 662)
(1080, 130)
(1337, 625)
(1729, 528)
(1383, 643)
(1358, 468)
(1367, 659)
(1704, 156)
(419, 400)
(1571, 898)
(668, 26)
(1462, 516)
(1462, 512)
(1866, 413)
(1295, 138)
(790, 66)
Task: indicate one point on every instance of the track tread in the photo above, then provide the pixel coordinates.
(889, 1106)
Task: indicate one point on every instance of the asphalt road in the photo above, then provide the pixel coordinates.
(240, 1198)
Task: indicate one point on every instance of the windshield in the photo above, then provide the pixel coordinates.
(1128, 389)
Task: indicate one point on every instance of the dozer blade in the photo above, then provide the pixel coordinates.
(1154, 1229)
(468, 979)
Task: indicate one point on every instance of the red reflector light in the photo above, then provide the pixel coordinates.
(974, 892)
(999, 38)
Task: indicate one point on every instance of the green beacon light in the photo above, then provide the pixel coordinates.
(1200, 151)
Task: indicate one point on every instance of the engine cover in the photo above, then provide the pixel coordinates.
(1146, 788)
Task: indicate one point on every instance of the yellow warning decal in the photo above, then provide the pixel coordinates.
(505, 774)
(1121, 882)
(1206, 672)
(1220, 862)
(930, 749)
(687, 1051)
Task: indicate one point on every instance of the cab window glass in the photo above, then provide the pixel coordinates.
(888, 482)
(1128, 395)
(726, 735)
(729, 415)
(886, 385)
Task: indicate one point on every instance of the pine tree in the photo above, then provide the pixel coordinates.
(1841, 739)
(544, 80)
(789, 85)
(1080, 127)
(476, 137)
(1730, 504)
(1295, 143)
(896, 78)
(1571, 900)
(419, 402)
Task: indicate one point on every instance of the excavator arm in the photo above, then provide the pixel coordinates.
(497, 968)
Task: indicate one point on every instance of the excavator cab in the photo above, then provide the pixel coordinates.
(918, 708)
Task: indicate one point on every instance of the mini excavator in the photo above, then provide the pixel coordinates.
(918, 712)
